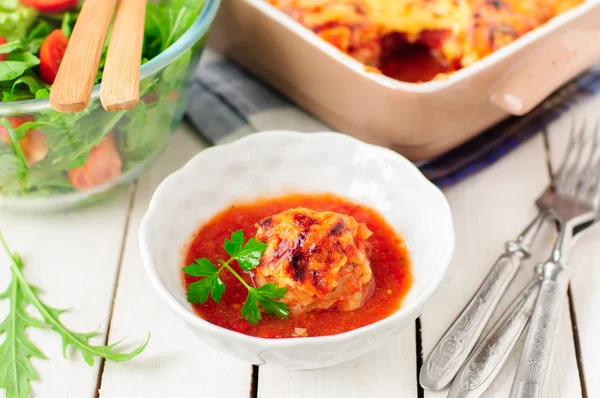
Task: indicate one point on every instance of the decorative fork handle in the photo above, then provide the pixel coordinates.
(535, 364)
(482, 366)
(448, 355)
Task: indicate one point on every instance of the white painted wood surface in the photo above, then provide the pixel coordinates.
(489, 209)
(73, 258)
(386, 372)
(175, 363)
(585, 260)
(77, 257)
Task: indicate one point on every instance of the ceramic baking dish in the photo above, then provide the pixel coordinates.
(422, 120)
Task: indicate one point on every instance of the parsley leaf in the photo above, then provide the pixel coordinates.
(235, 244)
(248, 257)
(250, 310)
(265, 296)
(198, 291)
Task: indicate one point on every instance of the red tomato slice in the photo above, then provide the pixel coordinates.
(103, 165)
(51, 55)
(3, 41)
(33, 143)
(51, 6)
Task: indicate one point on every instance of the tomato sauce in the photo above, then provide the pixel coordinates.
(386, 250)
(413, 62)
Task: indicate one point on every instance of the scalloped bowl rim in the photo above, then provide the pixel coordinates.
(192, 318)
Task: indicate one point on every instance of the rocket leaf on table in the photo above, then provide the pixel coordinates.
(16, 370)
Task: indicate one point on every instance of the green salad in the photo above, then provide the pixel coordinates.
(49, 153)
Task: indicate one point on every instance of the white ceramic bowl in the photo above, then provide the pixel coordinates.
(276, 163)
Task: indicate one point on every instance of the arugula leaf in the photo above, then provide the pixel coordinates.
(71, 136)
(12, 170)
(11, 167)
(176, 71)
(16, 64)
(67, 24)
(16, 95)
(32, 83)
(11, 46)
(136, 141)
(25, 57)
(16, 371)
(10, 70)
(166, 22)
(198, 291)
(40, 31)
(15, 135)
(42, 93)
(36, 36)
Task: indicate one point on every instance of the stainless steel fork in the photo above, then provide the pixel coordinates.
(486, 360)
(574, 204)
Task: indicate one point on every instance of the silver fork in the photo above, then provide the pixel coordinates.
(574, 204)
(453, 348)
(448, 355)
(486, 360)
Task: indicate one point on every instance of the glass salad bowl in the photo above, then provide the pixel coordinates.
(52, 161)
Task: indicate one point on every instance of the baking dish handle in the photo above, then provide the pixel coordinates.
(543, 70)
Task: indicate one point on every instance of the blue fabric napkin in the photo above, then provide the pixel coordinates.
(228, 103)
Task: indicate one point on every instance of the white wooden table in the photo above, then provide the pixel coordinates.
(89, 259)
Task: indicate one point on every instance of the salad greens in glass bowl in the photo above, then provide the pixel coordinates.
(53, 161)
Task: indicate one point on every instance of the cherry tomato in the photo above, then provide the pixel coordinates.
(34, 146)
(51, 55)
(15, 121)
(51, 6)
(3, 41)
(33, 142)
(102, 166)
(174, 95)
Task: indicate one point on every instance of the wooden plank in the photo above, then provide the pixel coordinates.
(586, 301)
(488, 209)
(176, 363)
(584, 260)
(389, 371)
(72, 257)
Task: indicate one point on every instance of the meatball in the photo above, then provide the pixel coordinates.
(319, 257)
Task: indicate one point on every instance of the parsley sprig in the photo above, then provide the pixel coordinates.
(248, 257)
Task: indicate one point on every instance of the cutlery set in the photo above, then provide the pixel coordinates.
(572, 202)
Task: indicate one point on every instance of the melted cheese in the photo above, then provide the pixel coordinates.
(475, 28)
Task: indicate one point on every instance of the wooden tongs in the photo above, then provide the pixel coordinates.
(119, 89)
